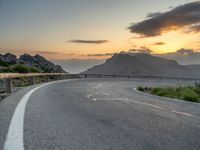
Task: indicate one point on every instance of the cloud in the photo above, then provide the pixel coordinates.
(100, 55)
(183, 56)
(51, 55)
(89, 41)
(183, 52)
(141, 50)
(152, 15)
(194, 28)
(184, 17)
(159, 43)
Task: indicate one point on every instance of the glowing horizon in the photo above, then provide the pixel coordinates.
(75, 29)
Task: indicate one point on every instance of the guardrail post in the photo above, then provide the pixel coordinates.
(60, 77)
(9, 85)
(48, 78)
(85, 75)
(32, 80)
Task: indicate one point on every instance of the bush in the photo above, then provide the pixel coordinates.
(189, 93)
(24, 69)
(4, 64)
(21, 69)
(34, 70)
(140, 89)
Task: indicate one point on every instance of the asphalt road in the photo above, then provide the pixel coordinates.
(98, 114)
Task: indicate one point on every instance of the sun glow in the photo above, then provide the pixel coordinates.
(172, 40)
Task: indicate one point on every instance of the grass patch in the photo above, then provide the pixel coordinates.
(189, 93)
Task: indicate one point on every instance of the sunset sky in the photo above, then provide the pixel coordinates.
(92, 30)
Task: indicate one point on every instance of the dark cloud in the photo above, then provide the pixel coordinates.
(159, 43)
(194, 28)
(152, 15)
(100, 55)
(182, 17)
(141, 50)
(51, 53)
(184, 52)
(183, 56)
(89, 41)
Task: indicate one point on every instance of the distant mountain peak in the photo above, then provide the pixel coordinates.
(142, 64)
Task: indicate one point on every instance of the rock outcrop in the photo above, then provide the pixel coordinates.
(37, 61)
(8, 58)
(40, 63)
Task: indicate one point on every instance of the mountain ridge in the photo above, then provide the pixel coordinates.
(140, 64)
(27, 63)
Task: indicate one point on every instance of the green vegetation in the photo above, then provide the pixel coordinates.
(4, 64)
(24, 69)
(19, 69)
(189, 93)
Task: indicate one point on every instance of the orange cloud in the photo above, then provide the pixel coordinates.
(185, 17)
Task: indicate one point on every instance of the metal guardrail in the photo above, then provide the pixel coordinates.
(20, 75)
(140, 77)
(9, 76)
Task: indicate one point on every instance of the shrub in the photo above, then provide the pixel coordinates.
(24, 69)
(189, 93)
(4, 64)
(140, 89)
(21, 69)
(34, 70)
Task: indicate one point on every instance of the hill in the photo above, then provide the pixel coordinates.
(139, 64)
(27, 64)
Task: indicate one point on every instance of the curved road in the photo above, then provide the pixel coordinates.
(97, 114)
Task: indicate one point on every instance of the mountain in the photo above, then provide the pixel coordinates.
(8, 58)
(27, 63)
(140, 64)
(40, 63)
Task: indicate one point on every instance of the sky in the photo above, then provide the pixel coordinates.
(80, 33)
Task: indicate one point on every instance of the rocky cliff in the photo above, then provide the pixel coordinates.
(38, 62)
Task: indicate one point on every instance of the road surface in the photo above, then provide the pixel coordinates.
(97, 114)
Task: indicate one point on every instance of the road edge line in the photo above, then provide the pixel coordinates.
(15, 134)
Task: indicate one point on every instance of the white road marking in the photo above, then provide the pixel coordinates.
(100, 85)
(125, 99)
(151, 105)
(89, 95)
(113, 99)
(182, 113)
(15, 135)
(97, 87)
(174, 111)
